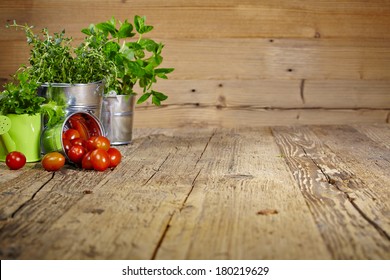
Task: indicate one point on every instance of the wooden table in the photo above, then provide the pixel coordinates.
(302, 192)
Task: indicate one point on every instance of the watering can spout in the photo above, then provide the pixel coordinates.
(9, 143)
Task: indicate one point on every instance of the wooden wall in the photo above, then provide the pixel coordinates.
(246, 62)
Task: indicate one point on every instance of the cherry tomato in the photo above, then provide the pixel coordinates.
(67, 144)
(15, 160)
(77, 122)
(76, 153)
(53, 161)
(115, 156)
(102, 142)
(90, 143)
(71, 134)
(100, 159)
(78, 141)
(86, 162)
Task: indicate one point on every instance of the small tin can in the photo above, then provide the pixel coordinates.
(117, 115)
(87, 124)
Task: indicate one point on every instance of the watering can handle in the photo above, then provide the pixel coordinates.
(8, 142)
(5, 125)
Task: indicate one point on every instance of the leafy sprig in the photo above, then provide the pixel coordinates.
(20, 97)
(136, 62)
(54, 60)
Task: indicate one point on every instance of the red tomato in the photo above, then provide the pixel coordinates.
(102, 142)
(90, 143)
(78, 141)
(78, 122)
(53, 161)
(15, 160)
(86, 162)
(115, 156)
(100, 159)
(76, 153)
(67, 144)
(71, 134)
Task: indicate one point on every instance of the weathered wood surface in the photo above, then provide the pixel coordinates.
(291, 192)
(324, 61)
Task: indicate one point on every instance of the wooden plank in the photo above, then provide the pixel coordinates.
(252, 59)
(369, 160)
(327, 94)
(230, 93)
(31, 203)
(246, 198)
(19, 187)
(353, 220)
(278, 59)
(346, 94)
(380, 133)
(216, 116)
(134, 202)
(201, 18)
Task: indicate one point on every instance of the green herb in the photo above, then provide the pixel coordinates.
(53, 113)
(54, 60)
(135, 61)
(20, 97)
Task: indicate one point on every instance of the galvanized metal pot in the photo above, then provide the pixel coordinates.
(75, 97)
(116, 115)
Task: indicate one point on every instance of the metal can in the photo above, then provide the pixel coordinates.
(116, 115)
(88, 125)
(75, 97)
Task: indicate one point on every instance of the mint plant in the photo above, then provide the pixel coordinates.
(136, 61)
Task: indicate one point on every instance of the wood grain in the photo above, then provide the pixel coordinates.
(202, 193)
(303, 56)
(215, 116)
(253, 58)
(201, 18)
(338, 193)
(241, 176)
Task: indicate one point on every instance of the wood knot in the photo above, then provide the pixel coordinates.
(221, 102)
(267, 212)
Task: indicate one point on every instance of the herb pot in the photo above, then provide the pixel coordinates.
(85, 123)
(75, 97)
(23, 135)
(116, 115)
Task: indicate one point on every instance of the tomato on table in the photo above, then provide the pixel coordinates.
(86, 162)
(100, 159)
(53, 161)
(102, 142)
(90, 143)
(15, 160)
(76, 153)
(115, 156)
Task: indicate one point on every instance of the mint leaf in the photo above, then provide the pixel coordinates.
(125, 30)
(139, 23)
(159, 95)
(144, 97)
(156, 101)
(107, 27)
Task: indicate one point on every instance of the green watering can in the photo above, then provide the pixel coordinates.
(20, 133)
